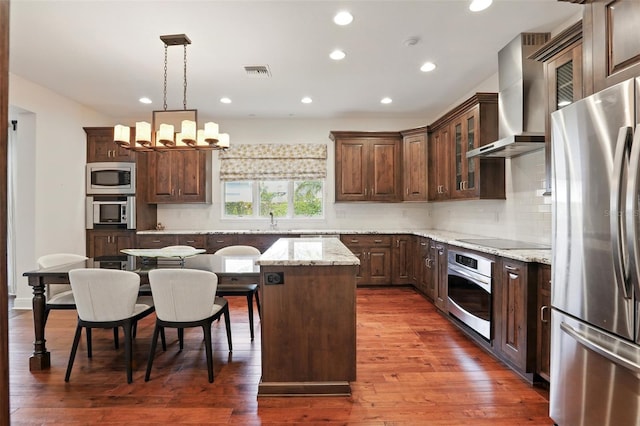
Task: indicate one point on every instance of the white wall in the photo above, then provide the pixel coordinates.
(51, 157)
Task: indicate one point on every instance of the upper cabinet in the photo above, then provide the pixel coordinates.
(179, 177)
(368, 166)
(438, 155)
(101, 147)
(611, 43)
(414, 164)
(470, 125)
(562, 57)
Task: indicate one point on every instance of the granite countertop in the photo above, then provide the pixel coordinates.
(307, 252)
(448, 237)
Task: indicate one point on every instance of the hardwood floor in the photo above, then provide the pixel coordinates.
(414, 368)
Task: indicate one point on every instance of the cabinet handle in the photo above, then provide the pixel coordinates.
(397, 243)
(191, 241)
(542, 309)
(407, 191)
(155, 241)
(219, 241)
(423, 244)
(377, 241)
(173, 191)
(511, 268)
(179, 192)
(354, 241)
(365, 192)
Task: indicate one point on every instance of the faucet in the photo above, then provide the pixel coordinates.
(273, 224)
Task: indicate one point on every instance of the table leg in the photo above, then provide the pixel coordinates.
(41, 358)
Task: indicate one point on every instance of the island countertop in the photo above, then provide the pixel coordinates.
(307, 252)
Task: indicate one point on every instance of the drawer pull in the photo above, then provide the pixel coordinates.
(511, 268)
(377, 241)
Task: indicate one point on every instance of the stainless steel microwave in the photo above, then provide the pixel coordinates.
(111, 178)
(110, 211)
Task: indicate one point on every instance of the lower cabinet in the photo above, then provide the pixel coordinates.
(543, 346)
(439, 265)
(514, 307)
(156, 241)
(217, 241)
(402, 255)
(422, 266)
(109, 242)
(374, 252)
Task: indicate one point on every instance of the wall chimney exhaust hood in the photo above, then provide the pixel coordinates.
(521, 100)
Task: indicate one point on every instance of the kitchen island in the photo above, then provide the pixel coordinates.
(308, 293)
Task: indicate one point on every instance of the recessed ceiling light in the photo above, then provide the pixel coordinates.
(306, 100)
(386, 100)
(428, 66)
(337, 55)
(343, 18)
(225, 100)
(145, 100)
(478, 5)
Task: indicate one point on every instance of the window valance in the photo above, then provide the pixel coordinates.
(274, 162)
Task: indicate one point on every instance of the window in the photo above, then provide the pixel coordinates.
(292, 199)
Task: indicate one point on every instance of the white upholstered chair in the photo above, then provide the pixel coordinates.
(58, 296)
(248, 290)
(107, 298)
(187, 298)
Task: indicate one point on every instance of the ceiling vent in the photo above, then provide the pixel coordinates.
(257, 71)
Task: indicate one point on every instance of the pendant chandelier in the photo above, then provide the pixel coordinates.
(163, 133)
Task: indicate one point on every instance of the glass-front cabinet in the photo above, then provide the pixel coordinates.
(465, 138)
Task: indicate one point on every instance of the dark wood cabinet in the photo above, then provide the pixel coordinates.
(562, 58)
(414, 164)
(156, 241)
(261, 241)
(611, 43)
(368, 166)
(179, 177)
(374, 252)
(543, 347)
(514, 338)
(217, 241)
(423, 266)
(194, 240)
(101, 147)
(440, 263)
(109, 242)
(438, 160)
(472, 124)
(402, 260)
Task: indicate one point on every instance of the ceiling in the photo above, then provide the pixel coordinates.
(106, 54)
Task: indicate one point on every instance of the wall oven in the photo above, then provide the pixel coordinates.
(111, 212)
(469, 286)
(111, 178)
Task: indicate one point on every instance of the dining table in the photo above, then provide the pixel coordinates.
(228, 268)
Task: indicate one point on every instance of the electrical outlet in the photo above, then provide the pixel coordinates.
(271, 278)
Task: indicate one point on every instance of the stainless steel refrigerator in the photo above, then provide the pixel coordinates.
(595, 346)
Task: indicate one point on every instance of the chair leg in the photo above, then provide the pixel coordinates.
(135, 329)
(250, 306)
(74, 348)
(116, 338)
(258, 304)
(128, 349)
(152, 351)
(181, 338)
(89, 345)
(227, 323)
(207, 346)
(163, 339)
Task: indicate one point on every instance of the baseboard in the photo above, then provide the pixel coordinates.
(23, 303)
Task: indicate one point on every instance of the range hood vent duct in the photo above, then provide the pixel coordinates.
(521, 99)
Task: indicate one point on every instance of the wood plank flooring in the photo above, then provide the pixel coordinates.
(414, 368)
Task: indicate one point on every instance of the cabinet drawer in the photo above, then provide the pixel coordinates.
(156, 241)
(216, 242)
(354, 240)
(238, 280)
(197, 241)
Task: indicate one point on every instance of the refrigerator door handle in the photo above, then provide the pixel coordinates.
(631, 202)
(615, 210)
(601, 350)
